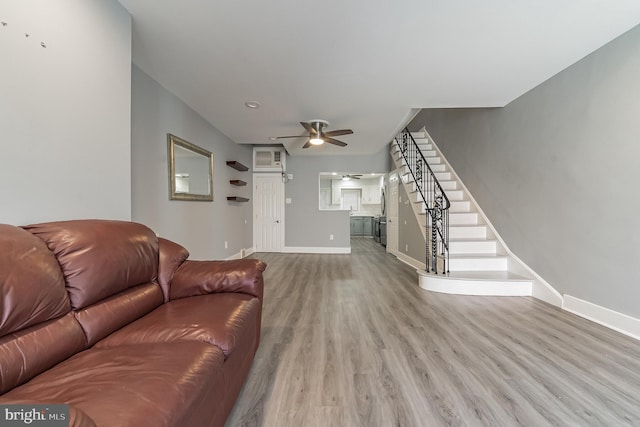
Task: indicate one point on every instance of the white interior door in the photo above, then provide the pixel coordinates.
(392, 213)
(268, 213)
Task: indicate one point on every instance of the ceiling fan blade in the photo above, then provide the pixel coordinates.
(308, 127)
(292, 136)
(335, 142)
(307, 144)
(338, 132)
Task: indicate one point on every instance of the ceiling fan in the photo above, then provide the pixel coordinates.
(350, 176)
(317, 136)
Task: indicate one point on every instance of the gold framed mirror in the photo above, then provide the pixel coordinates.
(190, 171)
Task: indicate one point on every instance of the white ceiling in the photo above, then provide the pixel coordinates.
(364, 65)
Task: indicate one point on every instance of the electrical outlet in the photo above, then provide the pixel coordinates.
(226, 245)
(330, 236)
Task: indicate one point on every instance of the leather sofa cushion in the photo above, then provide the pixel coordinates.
(101, 319)
(224, 320)
(29, 352)
(31, 282)
(100, 258)
(151, 385)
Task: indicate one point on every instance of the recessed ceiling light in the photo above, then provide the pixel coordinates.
(252, 104)
(272, 138)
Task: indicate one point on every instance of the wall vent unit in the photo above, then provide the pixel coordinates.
(269, 159)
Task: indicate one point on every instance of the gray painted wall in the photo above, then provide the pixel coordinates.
(305, 224)
(410, 240)
(201, 227)
(557, 173)
(65, 111)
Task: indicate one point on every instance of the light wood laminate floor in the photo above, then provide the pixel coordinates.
(351, 340)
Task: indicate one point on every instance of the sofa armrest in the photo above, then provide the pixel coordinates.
(171, 255)
(205, 277)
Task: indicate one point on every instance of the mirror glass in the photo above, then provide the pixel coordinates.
(190, 171)
(358, 193)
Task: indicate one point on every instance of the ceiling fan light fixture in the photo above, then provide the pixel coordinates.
(316, 141)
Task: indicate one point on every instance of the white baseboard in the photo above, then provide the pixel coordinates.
(410, 261)
(242, 254)
(316, 250)
(611, 319)
(541, 289)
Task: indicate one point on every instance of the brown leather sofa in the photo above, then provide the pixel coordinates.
(120, 325)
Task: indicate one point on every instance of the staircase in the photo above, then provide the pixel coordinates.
(478, 263)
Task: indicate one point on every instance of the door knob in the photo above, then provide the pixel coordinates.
(277, 221)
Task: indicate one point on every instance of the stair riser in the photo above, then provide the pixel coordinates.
(457, 217)
(478, 264)
(446, 285)
(456, 207)
(426, 149)
(478, 232)
(452, 195)
(434, 160)
(463, 218)
(470, 247)
(428, 153)
(438, 170)
(445, 185)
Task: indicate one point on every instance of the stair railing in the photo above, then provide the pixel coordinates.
(435, 201)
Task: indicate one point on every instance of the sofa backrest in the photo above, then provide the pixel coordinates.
(110, 269)
(37, 329)
(100, 258)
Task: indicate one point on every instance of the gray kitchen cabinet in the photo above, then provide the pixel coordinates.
(367, 226)
(357, 226)
(361, 225)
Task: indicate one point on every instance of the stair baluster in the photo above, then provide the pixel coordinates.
(435, 200)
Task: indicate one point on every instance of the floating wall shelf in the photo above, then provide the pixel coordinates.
(237, 182)
(237, 166)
